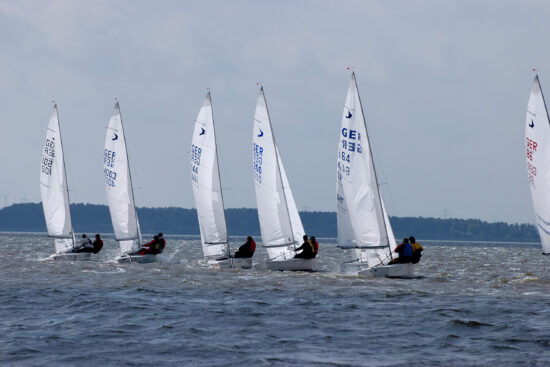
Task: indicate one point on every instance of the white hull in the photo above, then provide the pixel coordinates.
(71, 256)
(231, 263)
(292, 265)
(141, 259)
(390, 271)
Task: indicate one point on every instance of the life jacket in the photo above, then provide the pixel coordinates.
(162, 242)
(315, 247)
(252, 247)
(407, 250)
(98, 245)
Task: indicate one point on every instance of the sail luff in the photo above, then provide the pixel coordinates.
(372, 161)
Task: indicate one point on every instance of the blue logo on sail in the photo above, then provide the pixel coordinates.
(532, 124)
(202, 132)
(349, 115)
(116, 137)
(260, 134)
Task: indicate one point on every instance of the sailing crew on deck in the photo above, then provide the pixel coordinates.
(417, 250)
(98, 244)
(405, 253)
(307, 250)
(86, 245)
(246, 250)
(315, 245)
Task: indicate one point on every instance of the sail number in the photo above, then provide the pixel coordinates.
(48, 156)
(108, 163)
(349, 144)
(195, 162)
(531, 146)
(258, 152)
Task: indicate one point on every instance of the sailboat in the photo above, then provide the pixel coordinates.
(207, 190)
(364, 228)
(537, 145)
(120, 193)
(55, 194)
(280, 222)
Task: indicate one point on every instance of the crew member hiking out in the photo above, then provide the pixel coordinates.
(98, 244)
(307, 250)
(151, 248)
(162, 242)
(417, 250)
(247, 250)
(405, 253)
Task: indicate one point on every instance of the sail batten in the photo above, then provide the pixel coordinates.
(280, 223)
(537, 150)
(118, 184)
(54, 189)
(362, 220)
(205, 178)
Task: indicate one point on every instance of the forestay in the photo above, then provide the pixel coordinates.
(280, 222)
(205, 178)
(537, 147)
(363, 223)
(53, 188)
(118, 183)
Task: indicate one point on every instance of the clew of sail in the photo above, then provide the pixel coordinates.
(276, 207)
(118, 184)
(205, 177)
(537, 148)
(53, 188)
(362, 220)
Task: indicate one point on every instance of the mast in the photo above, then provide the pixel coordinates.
(372, 159)
(278, 167)
(129, 175)
(219, 176)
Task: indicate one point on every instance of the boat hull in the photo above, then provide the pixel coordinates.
(390, 271)
(71, 256)
(292, 265)
(141, 259)
(231, 263)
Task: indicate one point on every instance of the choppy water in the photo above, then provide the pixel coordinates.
(474, 304)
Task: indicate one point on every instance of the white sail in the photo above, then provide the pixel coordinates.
(54, 190)
(118, 183)
(273, 196)
(295, 221)
(205, 178)
(361, 216)
(537, 147)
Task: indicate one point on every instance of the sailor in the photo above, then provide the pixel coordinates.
(307, 250)
(417, 250)
(405, 253)
(86, 245)
(315, 245)
(98, 244)
(152, 247)
(247, 250)
(162, 242)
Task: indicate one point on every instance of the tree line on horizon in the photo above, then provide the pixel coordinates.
(93, 218)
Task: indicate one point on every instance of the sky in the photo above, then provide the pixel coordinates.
(444, 85)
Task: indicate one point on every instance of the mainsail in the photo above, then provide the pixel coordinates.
(537, 148)
(280, 222)
(118, 183)
(205, 177)
(363, 223)
(54, 189)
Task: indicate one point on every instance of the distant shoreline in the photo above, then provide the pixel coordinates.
(93, 218)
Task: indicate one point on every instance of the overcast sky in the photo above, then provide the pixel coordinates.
(444, 86)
